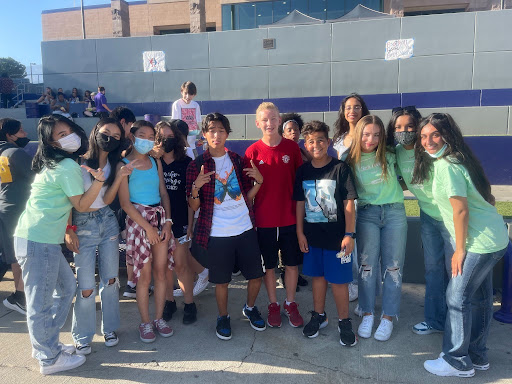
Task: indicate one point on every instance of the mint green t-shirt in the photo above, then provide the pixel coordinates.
(486, 229)
(423, 192)
(371, 186)
(46, 214)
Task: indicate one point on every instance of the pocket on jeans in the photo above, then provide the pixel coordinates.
(20, 247)
(80, 221)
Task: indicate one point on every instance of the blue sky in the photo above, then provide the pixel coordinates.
(20, 28)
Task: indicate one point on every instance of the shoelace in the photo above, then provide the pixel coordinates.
(160, 323)
(110, 336)
(147, 329)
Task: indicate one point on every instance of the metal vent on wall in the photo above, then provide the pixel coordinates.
(269, 43)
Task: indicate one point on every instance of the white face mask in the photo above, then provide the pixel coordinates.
(71, 143)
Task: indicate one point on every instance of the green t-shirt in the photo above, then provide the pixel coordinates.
(423, 192)
(46, 214)
(486, 230)
(371, 186)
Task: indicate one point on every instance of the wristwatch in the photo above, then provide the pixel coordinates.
(350, 234)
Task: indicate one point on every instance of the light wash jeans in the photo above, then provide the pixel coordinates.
(469, 299)
(50, 287)
(437, 254)
(96, 230)
(381, 231)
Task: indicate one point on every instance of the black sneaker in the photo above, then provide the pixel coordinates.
(223, 329)
(315, 324)
(16, 302)
(302, 281)
(347, 336)
(130, 292)
(255, 319)
(189, 313)
(169, 309)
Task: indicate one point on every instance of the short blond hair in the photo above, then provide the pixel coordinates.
(266, 105)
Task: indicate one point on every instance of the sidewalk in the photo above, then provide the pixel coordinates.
(195, 355)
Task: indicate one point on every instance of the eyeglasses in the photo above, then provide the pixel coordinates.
(409, 108)
(356, 108)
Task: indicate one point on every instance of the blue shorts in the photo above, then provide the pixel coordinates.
(319, 262)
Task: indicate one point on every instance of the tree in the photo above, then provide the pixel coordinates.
(13, 68)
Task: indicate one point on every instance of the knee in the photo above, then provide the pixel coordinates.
(113, 282)
(365, 270)
(180, 268)
(86, 293)
(395, 273)
(159, 274)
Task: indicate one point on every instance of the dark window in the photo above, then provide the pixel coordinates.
(247, 15)
(227, 17)
(335, 9)
(300, 5)
(281, 9)
(318, 9)
(263, 13)
(434, 12)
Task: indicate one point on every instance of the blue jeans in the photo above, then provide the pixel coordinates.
(96, 230)
(50, 287)
(437, 254)
(381, 231)
(469, 300)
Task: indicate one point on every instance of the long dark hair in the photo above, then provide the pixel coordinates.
(179, 151)
(341, 125)
(457, 152)
(92, 157)
(396, 113)
(49, 156)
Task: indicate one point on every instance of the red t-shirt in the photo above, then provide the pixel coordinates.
(273, 205)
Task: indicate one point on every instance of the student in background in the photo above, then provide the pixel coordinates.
(188, 110)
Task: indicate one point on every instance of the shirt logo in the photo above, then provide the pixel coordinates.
(286, 159)
(261, 162)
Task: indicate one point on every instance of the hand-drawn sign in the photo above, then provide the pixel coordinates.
(399, 49)
(154, 61)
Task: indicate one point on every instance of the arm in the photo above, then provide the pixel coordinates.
(106, 107)
(460, 221)
(121, 173)
(83, 202)
(53, 105)
(300, 212)
(350, 225)
(166, 203)
(252, 172)
(176, 111)
(70, 237)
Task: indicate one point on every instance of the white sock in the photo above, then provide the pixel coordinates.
(131, 284)
(249, 308)
(203, 274)
(288, 302)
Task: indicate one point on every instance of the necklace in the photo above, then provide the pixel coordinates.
(223, 162)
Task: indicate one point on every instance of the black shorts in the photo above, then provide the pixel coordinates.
(179, 230)
(284, 239)
(224, 253)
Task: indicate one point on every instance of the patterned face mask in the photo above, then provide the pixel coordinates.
(405, 138)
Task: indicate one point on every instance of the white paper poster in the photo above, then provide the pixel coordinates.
(399, 49)
(154, 61)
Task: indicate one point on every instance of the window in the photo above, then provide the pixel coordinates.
(228, 12)
(263, 13)
(281, 9)
(434, 12)
(335, 9)
(300, 5)
(318, 9)
(246, 15)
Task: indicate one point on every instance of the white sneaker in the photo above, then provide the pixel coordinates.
(200, 286)
(64, 362)
(353, 292)
(177, 292)
(424, 329)
(358, 311)
(68, 348)
(383, 332)
(478, 367)
(365, 328)
(440, 367)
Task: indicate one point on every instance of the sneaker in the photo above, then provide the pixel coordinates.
(302, 281)
(130, 292)
(111, 339)
(64, 362)
(189, 313)
(68, 348)
(169, 309)
(255, 319)
(177, 292)
(163, 328)
(358, 311)
(236, 272)
(440, 367)
(383, 332)
(347, 336)
(274, 315)
(424, 329)
(316, 323)
(223, 329)
(353, 292)
(294, 317)
(481, 367)
(83, 349)
(365, 328)
(147, 334)
(200, 286)
(16, 302)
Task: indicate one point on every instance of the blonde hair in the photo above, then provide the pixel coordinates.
(354, 156)
(266, 105)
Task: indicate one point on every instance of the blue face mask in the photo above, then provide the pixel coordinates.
(194, 132)
(439, 153)
(143, 146)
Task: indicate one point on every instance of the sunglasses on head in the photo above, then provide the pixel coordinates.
(410, 108)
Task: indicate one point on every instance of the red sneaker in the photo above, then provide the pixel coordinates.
(294, 317)
(274, 315)
(163, 328)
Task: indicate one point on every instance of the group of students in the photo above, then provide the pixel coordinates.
(277, 203)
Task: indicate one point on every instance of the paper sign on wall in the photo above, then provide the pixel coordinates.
(154, 61)
(399, 49)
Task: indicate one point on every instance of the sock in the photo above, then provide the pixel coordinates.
(204, 273)
(288, 302)
(249, 308)
(131, 284)
(322, 314)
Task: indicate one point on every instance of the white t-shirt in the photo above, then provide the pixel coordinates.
(340, 147)
(230, 213)
(190, 114)
(98, 203)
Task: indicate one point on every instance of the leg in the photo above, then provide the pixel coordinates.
(18, 281)
(269, 247)
(319, 292)
(291, 257)
(340, 293)
(253, 288)
(160, 265)
(143, 292)
(270, 284)
(291, 277)
(169, 281)
(221, 294)
(181, 268)
(481, 311)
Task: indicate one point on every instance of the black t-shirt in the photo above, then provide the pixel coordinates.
(175, 176)
(324, 190)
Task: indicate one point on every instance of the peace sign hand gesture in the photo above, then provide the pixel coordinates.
(202, 178)
(96, 173)
(254, 173)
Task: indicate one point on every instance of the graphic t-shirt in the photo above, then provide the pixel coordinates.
(372, 187)
(190, 114)
(486, 230)
(323, 190)
(230, 213)
(273, 205)
(423, 192)
(175, 177)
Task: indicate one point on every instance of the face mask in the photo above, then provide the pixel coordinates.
(70, 143)
(22, 142)
(107, 143)
(439, 153)
(143, 146)
(194, 132)
(169, 144)
(405, 138)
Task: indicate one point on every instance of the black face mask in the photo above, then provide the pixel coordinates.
(22, 142)
(169, 144)
(107, 143)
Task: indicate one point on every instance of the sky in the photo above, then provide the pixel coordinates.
(20, 28)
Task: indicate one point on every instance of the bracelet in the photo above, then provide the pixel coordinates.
(73, 227)
(256, 181)
(169, 221)
(194, 186)
(194, 197)
(100, 181)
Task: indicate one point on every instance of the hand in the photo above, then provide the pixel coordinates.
(254, 173)
(153, 236)
(63, 109)
(96, 173)
(457, 262)
(71, 240)
(303, 243)
(166, 232)
(203, 178)
(156, 152)
(190, 233)
(127, 169)
(347, 244)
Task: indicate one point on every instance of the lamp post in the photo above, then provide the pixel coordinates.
(31, 79)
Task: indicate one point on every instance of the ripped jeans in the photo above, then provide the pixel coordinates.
(381, 231)
(96, 230)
